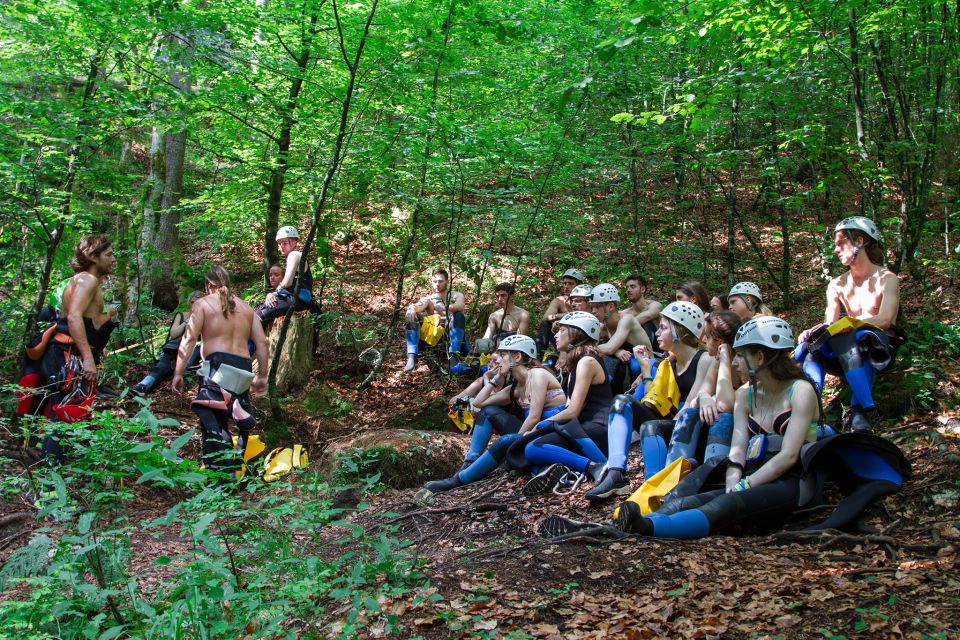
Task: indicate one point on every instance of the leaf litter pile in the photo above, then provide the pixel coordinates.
(493, 574)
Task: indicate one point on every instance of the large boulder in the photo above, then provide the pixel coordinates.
(404, 458)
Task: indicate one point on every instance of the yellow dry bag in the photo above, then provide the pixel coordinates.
(651, 492)
(664, 393)
(431, 330)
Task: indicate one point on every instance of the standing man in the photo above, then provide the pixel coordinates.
(83, 328)
(864, 342)
(508, 319)
(624, 333)
(449, 305)
(558, 307)
(224, 323)
(647, 312)
(277, 302)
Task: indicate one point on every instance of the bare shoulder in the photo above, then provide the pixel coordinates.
(242, 305)
(886, 276)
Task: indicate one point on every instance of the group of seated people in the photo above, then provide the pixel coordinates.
(718, 384)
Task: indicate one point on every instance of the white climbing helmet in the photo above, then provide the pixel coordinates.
(523, 344)
(287, 232)
(764, 331)
(687, 315)
(859, 223)
(581, 291)
(586, 322)
(605, 292)
(745, 288)
(576, 274)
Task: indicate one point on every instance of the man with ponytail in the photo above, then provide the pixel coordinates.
(224, 323)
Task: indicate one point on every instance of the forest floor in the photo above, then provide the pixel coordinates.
(489, 573)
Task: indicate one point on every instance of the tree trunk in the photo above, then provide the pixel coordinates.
(288, 118)
(166, 242)
(153, 190)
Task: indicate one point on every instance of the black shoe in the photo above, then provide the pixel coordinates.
(630, 520)
(859, 421)
(613, 484)
(596, 470)
(438, 486)
(139, 389)
(554, 526)
(545, 481)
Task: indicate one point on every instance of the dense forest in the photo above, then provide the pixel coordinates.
(714, 141)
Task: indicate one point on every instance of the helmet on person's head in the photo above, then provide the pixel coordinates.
(764, 331)
(586, 322)
(745, 288)
(523, 344)
(687, 315)
(581, 291)
(861, 224)
(576, 274)
(604, 292)
(287, 232)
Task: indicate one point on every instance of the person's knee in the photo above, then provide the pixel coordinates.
(459, 320)
(622, 403)
(656, 428)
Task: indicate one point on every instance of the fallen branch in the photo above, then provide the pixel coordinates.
(483, 506)
(830, 537)
(18, 516)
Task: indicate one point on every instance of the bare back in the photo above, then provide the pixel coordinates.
(225, 335)
(516, 320)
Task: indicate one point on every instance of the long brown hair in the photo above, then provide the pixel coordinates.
(88, 250)
(722, 325)
(783, 368)
(219, 278)
(696, 291)
(584, 347)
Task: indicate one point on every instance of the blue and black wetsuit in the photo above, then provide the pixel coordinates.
(285, 298)
(628, 414)
(576, 442)
(865, 467)
(855, 356)
(167, 360)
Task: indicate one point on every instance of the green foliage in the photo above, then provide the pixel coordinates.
(267, 560)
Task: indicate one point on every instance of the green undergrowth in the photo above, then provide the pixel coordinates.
(217, 559)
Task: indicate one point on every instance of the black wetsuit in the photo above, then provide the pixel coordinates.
(62, 365)
(215, 406)
(284, 298)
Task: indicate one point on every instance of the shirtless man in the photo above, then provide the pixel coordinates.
(646, 311)
(278, 301)
(508, 319)
(867, 292)
(558, 307)
(224, 323)
(624, 333)
(448, 304)
(82, 331)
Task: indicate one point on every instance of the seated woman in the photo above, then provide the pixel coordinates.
(714, 403)
(163, 368)
(680, 326)
(745, 300)
(574, 439)
(694, 292)
(779, 408)
(532, 387)
(487, 396)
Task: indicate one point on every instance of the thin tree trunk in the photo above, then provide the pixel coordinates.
(332, 168)
(278, 171)
(153, 190)
(417, 208)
